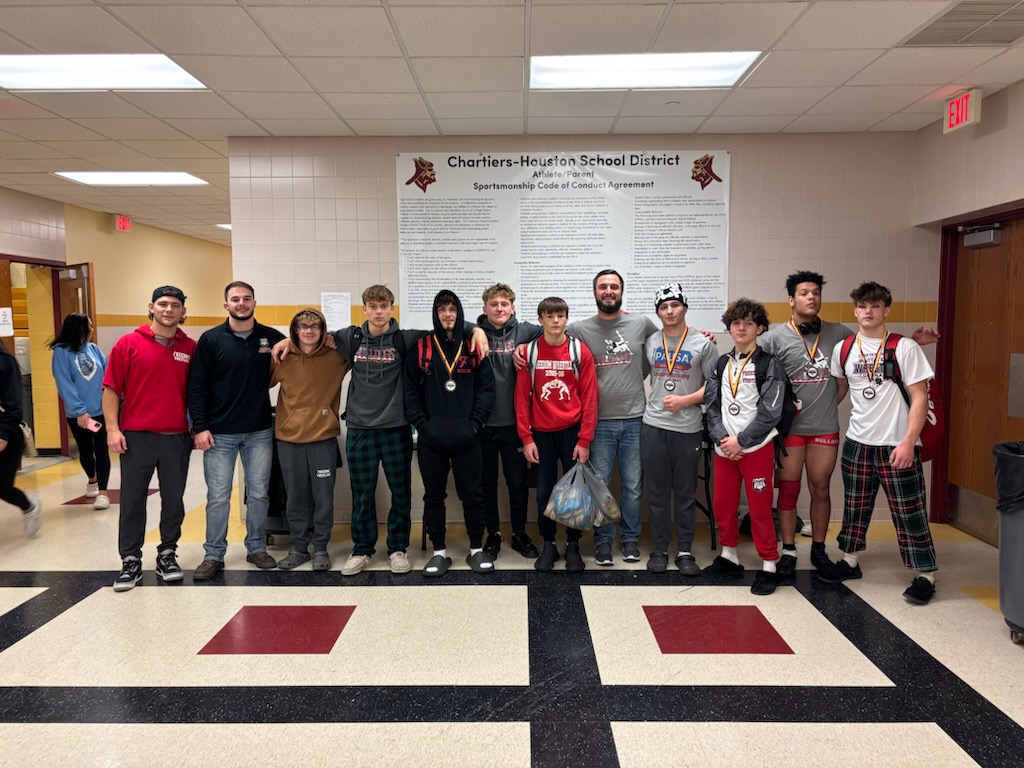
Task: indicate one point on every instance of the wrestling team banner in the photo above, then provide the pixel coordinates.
(546, 223)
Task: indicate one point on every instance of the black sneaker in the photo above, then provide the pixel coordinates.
(548, 557)
(838, 572)
(820, 558)
(657, 562)
(920, 591)
(786, 566)
(573, 561)
(521, 543)
(722, 567)
(131, 574)
(493, 544)
(764, 583)
(603, 553)
(630, 552)
(167, 567)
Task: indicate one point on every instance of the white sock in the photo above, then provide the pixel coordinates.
(729, 553)
(474, 551)
(768, 566)
(930, 575)
(850, 558)
(441, 552)
(789, 549)
(682, 554)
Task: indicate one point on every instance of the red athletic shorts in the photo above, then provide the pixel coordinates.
(801, 441)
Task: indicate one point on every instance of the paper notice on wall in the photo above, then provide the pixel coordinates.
(6, 321)
(337, 309)
(546, 223)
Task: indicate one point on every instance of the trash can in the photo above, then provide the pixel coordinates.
(1009, 461)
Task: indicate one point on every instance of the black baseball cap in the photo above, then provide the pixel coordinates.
(169, 290)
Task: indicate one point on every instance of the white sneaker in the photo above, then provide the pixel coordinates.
(92, 490)
(102, 501)
(355, 564)
(33, 519)
(806, 530)
(399, 562)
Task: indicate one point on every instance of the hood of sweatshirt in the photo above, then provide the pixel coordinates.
(293, 332)
(458, 333)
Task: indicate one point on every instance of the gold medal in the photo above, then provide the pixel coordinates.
(449, 385)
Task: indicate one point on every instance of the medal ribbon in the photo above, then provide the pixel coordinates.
(734, 386)
(811, 351)
(878, 357)
(450, 367)
(670, 362)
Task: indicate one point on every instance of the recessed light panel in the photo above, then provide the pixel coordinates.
(640, 70)
(132, 178)
(94, 72)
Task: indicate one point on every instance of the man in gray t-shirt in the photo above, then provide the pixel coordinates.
(681, 360)
(616, 340)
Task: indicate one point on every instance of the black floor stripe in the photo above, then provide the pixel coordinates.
(570, 713)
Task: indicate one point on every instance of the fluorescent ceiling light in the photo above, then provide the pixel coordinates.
(640, 70)
(94, 72)
(132, 178)
(224, 226)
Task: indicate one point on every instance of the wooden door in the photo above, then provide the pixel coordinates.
(988, 328)
(77, 293)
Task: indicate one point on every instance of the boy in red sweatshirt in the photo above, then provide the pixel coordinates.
(556, 412)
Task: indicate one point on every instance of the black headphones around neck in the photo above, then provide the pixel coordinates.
(808, 328)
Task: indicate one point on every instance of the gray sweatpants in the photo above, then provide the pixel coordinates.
(308, 471)
(670, 471)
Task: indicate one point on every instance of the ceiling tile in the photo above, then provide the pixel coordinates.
(461, 31)
(935, 102)
(922, 66)
(244, 73)
(329, 31)
(98, 150)
(803, 68)
(72, 30)
(576, 103)
(556, 125)
(357, 75)
(19, 150)
(383, 106)
(199, 128)
(869, 98)
(51, 129)
(471, 74)
(854, 122)
(567, 29)
(305, 127)
(481, 126)
(171, 149)
(726, 26)
(216, 29)
(772, 101)
(148, 128)
(9, 45)
(905, 121)
(12, 107)
(499, 104)
(858, 23)
(746, 123)
(301, 106)
(682, 124)
(393, 127)
(1002, 70)
(182, 104)
(93, 104)
(673, 103)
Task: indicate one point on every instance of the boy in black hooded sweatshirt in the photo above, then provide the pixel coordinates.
(449, 392)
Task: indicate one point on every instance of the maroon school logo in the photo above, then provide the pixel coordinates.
(702, 172)
(425, 174)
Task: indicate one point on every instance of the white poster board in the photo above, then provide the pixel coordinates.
(337, 309)
(547, 223)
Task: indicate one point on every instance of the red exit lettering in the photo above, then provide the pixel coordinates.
(963, 110)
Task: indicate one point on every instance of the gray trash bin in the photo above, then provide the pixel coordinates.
(1009, 460)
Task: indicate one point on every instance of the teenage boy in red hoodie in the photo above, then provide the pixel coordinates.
(556, 413)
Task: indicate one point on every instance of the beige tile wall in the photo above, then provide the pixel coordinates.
(31, 226)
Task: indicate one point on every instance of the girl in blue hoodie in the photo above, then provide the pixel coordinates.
(78, 367)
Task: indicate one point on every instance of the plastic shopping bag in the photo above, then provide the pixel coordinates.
(580, 500)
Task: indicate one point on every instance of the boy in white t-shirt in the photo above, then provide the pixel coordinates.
(881, 446)
(743, 413)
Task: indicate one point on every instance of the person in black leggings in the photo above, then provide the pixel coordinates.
(12, 442)
(78, 368)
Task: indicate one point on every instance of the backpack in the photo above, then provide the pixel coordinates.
(425, 351)
(935, 420)
(531, 358)
(790, 405)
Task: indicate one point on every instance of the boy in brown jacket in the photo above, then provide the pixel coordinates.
(307, 429)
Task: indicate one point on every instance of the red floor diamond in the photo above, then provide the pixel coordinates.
(713, 629)
(269, 629)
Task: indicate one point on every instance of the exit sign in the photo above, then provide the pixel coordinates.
(962, 110)
(122, 223)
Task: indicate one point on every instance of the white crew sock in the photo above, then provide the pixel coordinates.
(729, 553)
(930, 575)
(850, 558)
(768, 566)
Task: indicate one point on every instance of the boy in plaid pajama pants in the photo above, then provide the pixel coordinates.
(881, 445)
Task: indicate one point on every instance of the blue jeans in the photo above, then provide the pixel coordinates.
(619, 438)
(256, 449)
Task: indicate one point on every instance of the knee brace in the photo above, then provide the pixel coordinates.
(789, 492)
